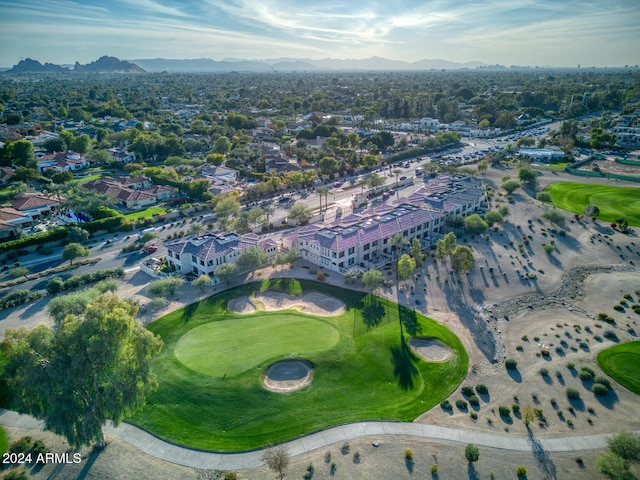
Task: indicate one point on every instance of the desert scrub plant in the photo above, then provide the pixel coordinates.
(445, 405)
(461, 404)
(474, 401)
(599, 389)
(434, 468)
(504, 410)
(602, 380)
(482, 389)
(521, 471)
(571, 365)
(544, 372)
(586, 373)
(516, 408)
(408, 454)
(511, 364)
(572, 393)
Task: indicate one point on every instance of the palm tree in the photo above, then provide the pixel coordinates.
(322, 191)
(267, 211)
(397, 172)
(397, 241)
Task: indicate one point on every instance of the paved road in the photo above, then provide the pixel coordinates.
(158, 448)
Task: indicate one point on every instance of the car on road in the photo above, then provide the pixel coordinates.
(150, 249)
(403, 177)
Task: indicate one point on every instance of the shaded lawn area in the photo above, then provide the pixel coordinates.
(367, 373)
(613, 202)
(146, 213)
(622, 363)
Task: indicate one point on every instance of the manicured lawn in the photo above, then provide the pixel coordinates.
(146, 213)
(88, 178)
(363, 369)
(622, 363)
(613, 202)
(231, 347)
(554, 166)
(4, 443)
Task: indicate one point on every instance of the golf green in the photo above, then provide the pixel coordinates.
(622, 363)
(231, 347)
(613, 202)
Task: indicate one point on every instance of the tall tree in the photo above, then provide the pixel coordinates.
(416, 251)
(72, 251)
(461, 259)
(446, 244)
(93, 368)
(372, 279)
(251, 258)
(277, 459)
(406, 266)
(226, 271)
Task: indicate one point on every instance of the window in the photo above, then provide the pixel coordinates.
(334, 254)
(366, 247)
(352, 250)
(341, 254)
(352, 261)
(194, 259)
(374, 243)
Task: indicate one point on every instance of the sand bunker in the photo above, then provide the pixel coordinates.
(430, 349)
(287, 376)
(241, 305)
(315, 303)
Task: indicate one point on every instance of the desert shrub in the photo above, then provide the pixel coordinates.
(467, 391)
(519, 348)
(18, 297)
(482, 388)
(544, 372)
(21, 445)
(504, 410)
(516, 408)
(471, 453)
(356, 457)
(55, 285)
(544, 352)
(599, 389)
(511, 364)
(445, 405)
(586, 373)
(16, 474)
(602, 380)
(434, 468)
(525, 338)
(572, 393)
(230, 476)
(618, 308)
(473, 415)
(474, 401)
(461, 404)
(571, 365)
(321, 276)
(521, 471)
(408, 454)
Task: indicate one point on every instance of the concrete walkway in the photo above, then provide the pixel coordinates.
(158, 448)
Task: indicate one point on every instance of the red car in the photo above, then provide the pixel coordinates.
(150, 249)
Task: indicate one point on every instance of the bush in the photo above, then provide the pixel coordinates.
(504, 411)
(467, 391)
(408, 454)
(521, 471)
(573, 394)
(516, 408)
(511, 364)
(230, 476)
(18, 297)
(482, 389)
(586, 373)
(618, 308)
(55, 285)
(434, 468)
(471, 453)
(461, 404)
(599, 389)
(602, 380)
(544, 372)
(571, 365)
(445, 405)
(321, 276)
(474, 401)
(473, 415)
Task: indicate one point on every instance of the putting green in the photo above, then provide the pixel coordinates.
(622, 363)
(231, 347)
(613, 202)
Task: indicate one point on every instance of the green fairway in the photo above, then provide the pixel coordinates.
(231, 347)
(613, 202)
(362, 369)
(622, 363)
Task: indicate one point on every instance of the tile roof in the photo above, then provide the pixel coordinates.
(28, 201)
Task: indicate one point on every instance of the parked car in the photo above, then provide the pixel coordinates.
(150, 249)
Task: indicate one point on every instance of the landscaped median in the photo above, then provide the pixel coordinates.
(358, 366)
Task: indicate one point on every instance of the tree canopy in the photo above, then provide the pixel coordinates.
(93, 368)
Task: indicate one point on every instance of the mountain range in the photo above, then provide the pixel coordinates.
(108, 64)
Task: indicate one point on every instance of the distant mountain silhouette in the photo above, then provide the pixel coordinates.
(206, 65)
(108, 65)
(102, 65)
(28, 65)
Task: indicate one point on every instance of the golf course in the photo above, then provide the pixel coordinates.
(215, 363)
(613, 202)
(622, 363)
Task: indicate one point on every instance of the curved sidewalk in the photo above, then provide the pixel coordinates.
(158, 448)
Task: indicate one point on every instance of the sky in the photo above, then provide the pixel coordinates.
(507, 32)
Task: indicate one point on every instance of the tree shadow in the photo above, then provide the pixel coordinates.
(409, 463)
(91, 459)
(507, 419)
(403, 366)
(485, 397)
(543, 458)
(515, 375)
(577, 404)
(472, 472)
(409, 319)
(190, 310)
(373, 312)
(609, 400)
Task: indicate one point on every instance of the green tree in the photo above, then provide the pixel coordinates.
(374, 181)
(226, 207)
(370, 160)
(482, 166)
(267, 211)
(328, 165)
(461, 259)
(19, 272)
(71, 304)
(300, 212)
(510, 186)
(416, 251)
(225, 272)
(492, 217)
(74, 250)
(406, 266)
(165, 286)
(93, 368)
(591, 211)
(277, 459)
(61, 177)
(199, 189)
(614, 467)
(222, 145)
(446, 245)
(626, 445)
(202, 281)
(372, 279)
(23, 154)
(528, 176)
(322, 191)
(196, 229)
(543, 197)
(81, 143)
(215, 158)
(77, 234)
(251, 258)
(475, 224)
(471, 453)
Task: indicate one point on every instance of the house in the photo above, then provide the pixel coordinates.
(203, 254)
(281, 163)
(452, 195)
(225, 174)
(63, 161)
(132, 193)
(5, 174)
(11, 219)
(35, 205)
(627, 136)
(260, 133)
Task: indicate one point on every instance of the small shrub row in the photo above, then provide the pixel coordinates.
(18, 297)
(56, 284)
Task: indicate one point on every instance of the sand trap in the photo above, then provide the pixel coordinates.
(315, 303)
(241, 305)
(287, 376)
(429, 348)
